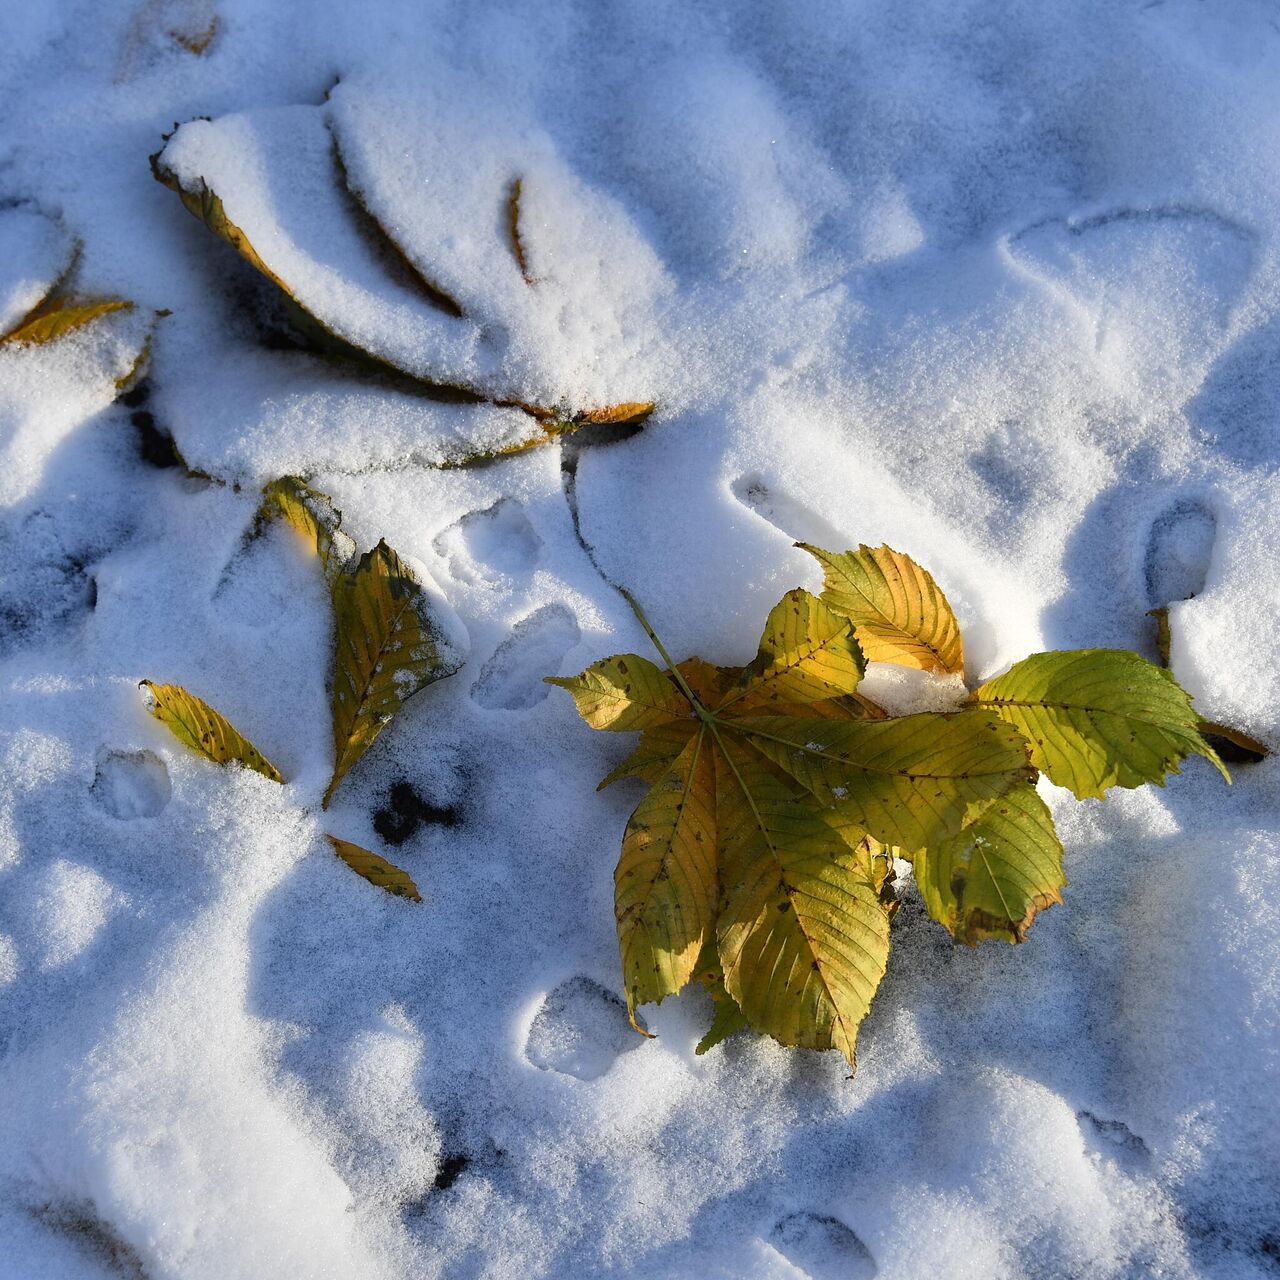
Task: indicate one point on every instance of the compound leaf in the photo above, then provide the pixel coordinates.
(388, 647)
(997, 874)
(1098, 718)
(665, 884)
(376, 870)
(898, 611)
(197, 725)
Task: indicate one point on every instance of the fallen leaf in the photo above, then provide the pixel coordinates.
(376, 870)
(898, 611)
(197, 725)
(1098, 718)
(388, 647)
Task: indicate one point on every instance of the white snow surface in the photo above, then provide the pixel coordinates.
(997, 284)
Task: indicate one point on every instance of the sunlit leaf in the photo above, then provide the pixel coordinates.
(897, 609)
(665, 885)
(388, 647)
(997, 874)
(909, 781)
(376, 870)
(1098, 718)
(311, 515)
(56, 318)
(625, 693)
(197, 725)
(804, 938)
(807, 654)
(727, 1018)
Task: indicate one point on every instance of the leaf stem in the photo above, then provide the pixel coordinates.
(703, 713)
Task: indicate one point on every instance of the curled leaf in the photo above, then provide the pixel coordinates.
(376, 870)
(197, 725)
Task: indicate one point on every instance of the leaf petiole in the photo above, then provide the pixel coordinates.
(703, 714)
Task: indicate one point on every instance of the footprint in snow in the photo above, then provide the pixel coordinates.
(580, 1030)
(822, 1247)
(511, 680)
(1178, 551)
(131, 784)
(799, 522)
(490, 544)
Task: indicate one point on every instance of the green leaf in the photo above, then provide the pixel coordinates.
(807, 654)
(665, 885)
(803, 937)
(388, 647)
(996, 875)
(1098, 718)
(625, 693)
(197, 725)
(386, 875)
(311, 515)
(898, 611)
(911, 781)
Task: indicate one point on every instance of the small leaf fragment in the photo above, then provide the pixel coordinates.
(376, 870)
(897, 609)
(997, 874)
(1098, 718)
(197, 725)
(513, 228)
(388, 647)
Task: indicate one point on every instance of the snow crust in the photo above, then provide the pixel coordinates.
(995, 283)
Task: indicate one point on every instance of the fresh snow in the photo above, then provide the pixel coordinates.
(997, 284)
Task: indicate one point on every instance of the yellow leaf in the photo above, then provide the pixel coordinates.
(1098, 718)
(388, 647)
(386, 875)
(808, 654)
(198, 726)
(897, 609)
(727, 1017)
(804, 938)
(997, 874)
(314, 517)
(625, 693)
(665, 885)
(55, 318)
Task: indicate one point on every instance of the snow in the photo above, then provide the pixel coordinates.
(997, 284)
